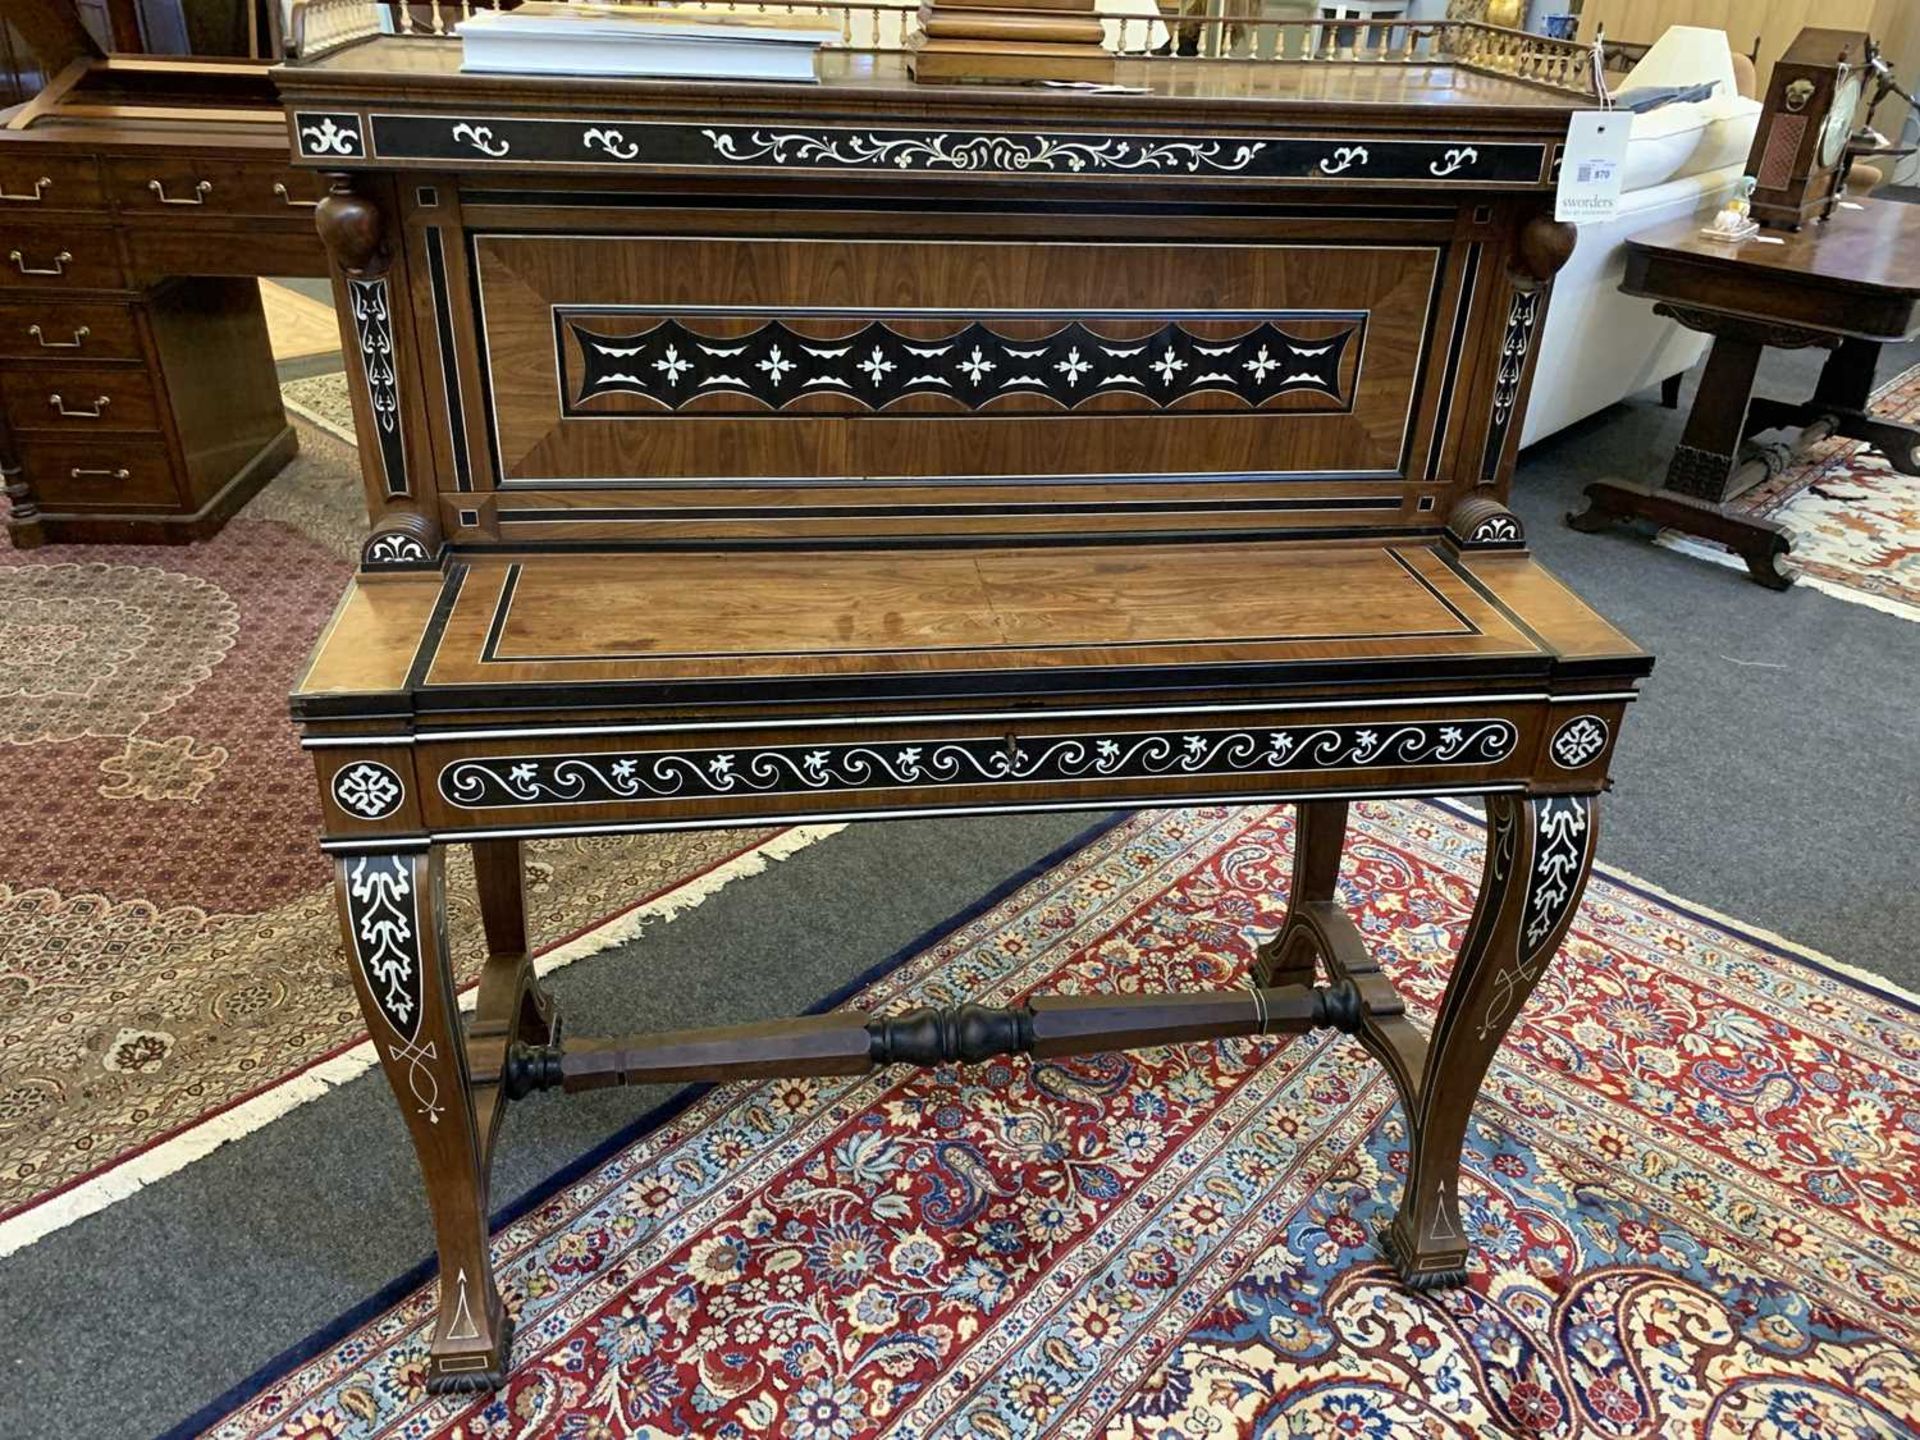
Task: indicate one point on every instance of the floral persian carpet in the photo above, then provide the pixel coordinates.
(168, 945)
(1854, 519)
(1691, 1190)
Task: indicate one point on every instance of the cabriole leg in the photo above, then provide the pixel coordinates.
(1539, 851)
(512, 1006)
(393, 908)
(1320, 830)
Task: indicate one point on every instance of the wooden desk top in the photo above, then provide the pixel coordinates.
(1867, 245)
(506, 630)
(1857, 274)
(140, 104)
(430, 69)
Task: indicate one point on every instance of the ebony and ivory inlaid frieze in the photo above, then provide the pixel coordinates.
(971, 365)
(523, 141)
(492, 782)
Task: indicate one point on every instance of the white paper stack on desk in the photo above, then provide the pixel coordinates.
(543, 39)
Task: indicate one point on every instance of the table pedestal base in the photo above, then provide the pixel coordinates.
(1717, 459)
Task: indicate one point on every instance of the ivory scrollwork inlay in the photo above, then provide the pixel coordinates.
(326, 135)
(1495, 530)
(1563, 838)
(1455, 160)
(1344, 158)
(1012, 153)
(394, 549)
(613, 142)
(490, 782)
(482, 138)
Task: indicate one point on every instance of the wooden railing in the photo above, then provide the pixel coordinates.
(1133, 30)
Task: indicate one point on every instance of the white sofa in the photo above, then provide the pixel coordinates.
(1599, 346)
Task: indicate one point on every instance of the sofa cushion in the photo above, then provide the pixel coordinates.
(1688, 139)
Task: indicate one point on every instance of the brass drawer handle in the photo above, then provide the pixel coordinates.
(80, 333)
(291, 203)
(100, 403)
(60, 263)
(40, 187)
(199, 197)
(120, 474)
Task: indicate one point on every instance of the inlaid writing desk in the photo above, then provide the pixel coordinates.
(1848, 284)
(750, 454)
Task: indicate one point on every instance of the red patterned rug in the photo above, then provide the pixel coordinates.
(1855, 520)
(168, 947)
(1692, 1191)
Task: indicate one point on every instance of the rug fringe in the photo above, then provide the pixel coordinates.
(1866, 979)
(118, 1182)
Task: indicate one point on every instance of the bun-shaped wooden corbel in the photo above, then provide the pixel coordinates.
(1479, 522)
(402, 540)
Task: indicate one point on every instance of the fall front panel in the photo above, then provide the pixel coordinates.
(617, 360)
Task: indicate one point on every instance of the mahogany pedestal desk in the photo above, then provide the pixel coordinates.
(752, 455)
(1849, 284)
(138, 201)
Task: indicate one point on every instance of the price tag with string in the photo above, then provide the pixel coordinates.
(1591, 165)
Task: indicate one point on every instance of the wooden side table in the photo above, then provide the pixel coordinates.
(1848, 285)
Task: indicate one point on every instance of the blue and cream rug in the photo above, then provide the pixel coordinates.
(1692, 1191)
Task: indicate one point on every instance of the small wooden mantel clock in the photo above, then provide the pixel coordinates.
(1800, 150)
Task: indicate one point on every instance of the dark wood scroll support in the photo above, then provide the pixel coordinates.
(1717, 460)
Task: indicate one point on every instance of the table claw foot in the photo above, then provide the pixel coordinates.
(1762, 554)
(1600, 513)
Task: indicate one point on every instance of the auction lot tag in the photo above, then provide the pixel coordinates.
(1591, 164)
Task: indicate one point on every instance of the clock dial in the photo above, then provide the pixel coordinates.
(1833, 135)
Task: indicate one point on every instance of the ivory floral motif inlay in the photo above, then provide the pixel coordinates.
(386, 944)
(1578, 741)
(367, 789)
(972, 364)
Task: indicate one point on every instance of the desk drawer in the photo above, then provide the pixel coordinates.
(59, 330)
(58, 259)
(43, 182)
(188, 187)
(100, 475)
(49, 397)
